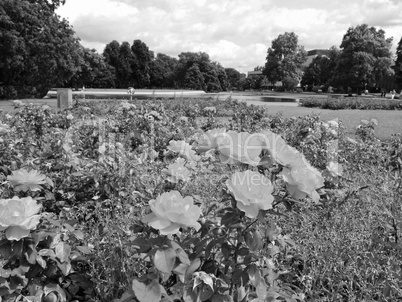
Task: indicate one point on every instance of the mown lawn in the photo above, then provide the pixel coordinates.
(389, 122)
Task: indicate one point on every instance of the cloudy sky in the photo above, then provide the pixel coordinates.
(235, 33)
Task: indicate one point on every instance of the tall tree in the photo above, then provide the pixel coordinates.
(162, 70)
(285, 58)
(111, 55)
(318, 72)
(193, 78)
(398, 65)
(222, 76)
(142, 59)
(124, 71)
(93, 71)
(234, 77)
(199, 63)
(51, 4)
(38, 50)
(366, 58)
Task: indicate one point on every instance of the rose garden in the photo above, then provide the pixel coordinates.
(195, 200)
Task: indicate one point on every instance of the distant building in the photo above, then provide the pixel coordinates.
(254, 73)
(311, 54)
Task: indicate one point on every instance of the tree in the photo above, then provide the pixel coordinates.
(366, 58)
(222, 76)
(162, 70)
(193, 78)
(212, 73)
(234, 77)
(285, 58)
(398, 64)
(38, 50)
(243, 82)
(111, 55)
(290, 83)
(142, 58)
(318, 72)
(93, 71)
(51, 4)
(124, 71)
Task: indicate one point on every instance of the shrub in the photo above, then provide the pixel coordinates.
(362, 103)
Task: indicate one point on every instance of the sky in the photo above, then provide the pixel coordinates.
(235, 33)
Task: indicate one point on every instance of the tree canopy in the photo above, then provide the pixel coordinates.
(366, 57)
(38, 50)
(93, 71)
(162, 70)
(197, 71)
(398, 64)
(234, 78)
(321, 70)
(285, 58)
(141, 63)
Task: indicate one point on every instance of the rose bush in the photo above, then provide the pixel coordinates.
(252, 191)
(18, 216)
(92, 246)
(171, 211)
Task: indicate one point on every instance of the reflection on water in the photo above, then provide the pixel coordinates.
(259, 98)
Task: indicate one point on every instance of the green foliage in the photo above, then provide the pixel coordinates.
(93, 71)
(234, 78)
(162, 71)
(365, 58)
(125, 64)
(285, 58)
(137, 67)
(289, 83)
(360, 103)
(322, 69)
(197, 71)
(398, 64)
(141, 64)
(38, 51)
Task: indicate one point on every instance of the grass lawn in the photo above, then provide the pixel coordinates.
(389, 122)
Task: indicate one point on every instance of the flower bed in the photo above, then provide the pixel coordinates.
(361, 103)
(161, 201)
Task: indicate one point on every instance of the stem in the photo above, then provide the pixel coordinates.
(251, 224)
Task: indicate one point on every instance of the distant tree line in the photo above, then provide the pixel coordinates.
(135, 65)
(38, 51)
